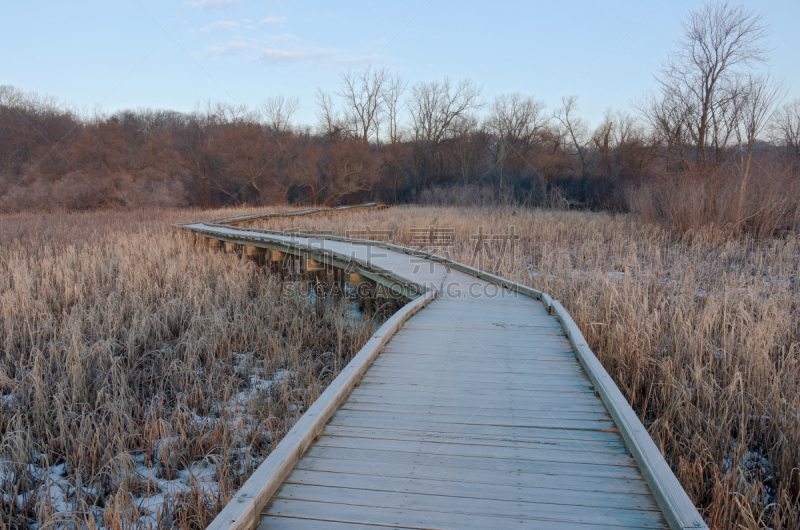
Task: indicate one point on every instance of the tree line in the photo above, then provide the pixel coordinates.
(714, 133)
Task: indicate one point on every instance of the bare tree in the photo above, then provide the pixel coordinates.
(755, 105)
(699, 82)
(603, 137)
(576, 130)
(434, 108)
(785, 134)
(278, 112)
(330, 121)
(467, 146)
(351, 169)
(667, 116)
(33, 126)
(393, 91)
(515, 124)
(362, 92)
(622, 145)
(224, 113)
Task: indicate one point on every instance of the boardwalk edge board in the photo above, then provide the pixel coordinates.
(297, 213)
(243, 511)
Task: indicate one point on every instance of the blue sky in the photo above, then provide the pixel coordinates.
(174, 54)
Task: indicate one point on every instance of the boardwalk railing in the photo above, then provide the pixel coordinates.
(244, 510)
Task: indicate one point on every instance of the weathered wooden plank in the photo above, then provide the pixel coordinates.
(418, 519)
(555, 340)
(474, 506)
(603, 446)
(432, 447)
(528, 493)
(552, 343)
(464, 332)
(499, 405)
(521, 317)
(475, 391)
(458, 328)
(512, 360)
(492, 368)
(578, 469)
(521, 414)
(503, 312)
(417, 425)
(417, 353)
(471, 359)
(276, 522)
(515, 387)
(507, 320)
(543, 422)
(478, 394)
(553, 351)
(476, 477)
(525, 379)
(456, 325)
(490, 359)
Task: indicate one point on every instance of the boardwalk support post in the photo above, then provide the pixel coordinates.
(365, 290)
(257, 254)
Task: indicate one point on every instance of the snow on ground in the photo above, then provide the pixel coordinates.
(57, 488)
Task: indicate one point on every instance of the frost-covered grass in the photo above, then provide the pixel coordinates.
(142, 379)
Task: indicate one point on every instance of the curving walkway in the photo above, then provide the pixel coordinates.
(485, 409)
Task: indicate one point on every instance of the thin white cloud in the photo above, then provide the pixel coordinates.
(277, 55)
(273, 55)
(221, 24)
(212, 3)
(272, 20)
(284, 38)
(257, 50)
(231, 47)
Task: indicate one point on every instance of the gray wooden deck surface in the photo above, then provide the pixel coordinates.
(477, 414)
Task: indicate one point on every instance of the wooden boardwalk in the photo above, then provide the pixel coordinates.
(485, 409)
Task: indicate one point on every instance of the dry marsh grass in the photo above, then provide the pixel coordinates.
(701, 336)
(143, 380)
